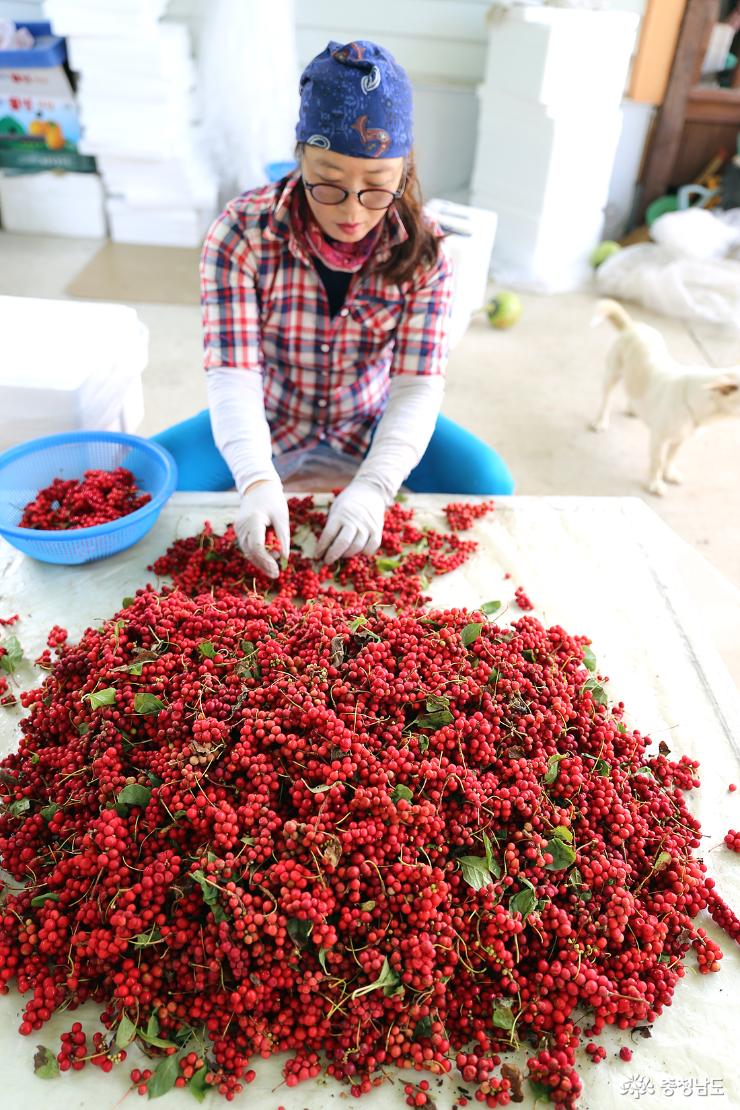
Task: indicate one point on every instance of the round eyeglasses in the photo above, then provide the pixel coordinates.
(376, 199)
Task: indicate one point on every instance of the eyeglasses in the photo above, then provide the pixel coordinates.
(376, 199)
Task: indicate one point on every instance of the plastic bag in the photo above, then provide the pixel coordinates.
(692, 288)
(695, 233)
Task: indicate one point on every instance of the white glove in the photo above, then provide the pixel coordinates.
(261, 505)
(355, 523)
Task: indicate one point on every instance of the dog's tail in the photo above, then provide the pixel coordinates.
(614, 313)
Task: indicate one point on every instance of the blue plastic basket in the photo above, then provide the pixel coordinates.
(26, 469)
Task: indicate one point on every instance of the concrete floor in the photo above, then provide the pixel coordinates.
(529, 391)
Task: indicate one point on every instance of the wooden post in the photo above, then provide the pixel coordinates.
(696, 27)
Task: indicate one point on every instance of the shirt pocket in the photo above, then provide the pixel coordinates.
(379, 316)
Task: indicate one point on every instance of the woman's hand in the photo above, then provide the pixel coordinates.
(262, 504)
(355, 523)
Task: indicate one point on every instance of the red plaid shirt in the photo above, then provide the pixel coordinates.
(265, 308)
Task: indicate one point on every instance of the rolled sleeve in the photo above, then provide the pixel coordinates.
(229, 301)
(422, 338)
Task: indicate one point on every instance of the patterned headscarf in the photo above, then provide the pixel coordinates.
(356, 100)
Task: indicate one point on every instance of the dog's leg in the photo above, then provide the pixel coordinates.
(611, 381)
(658, 450)
(670, 473)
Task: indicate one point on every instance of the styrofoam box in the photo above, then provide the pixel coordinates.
(553, 54)
(547, 254)
(165, 227)
(53, 203)
(67, 366)
(539, 156)
(469, 242)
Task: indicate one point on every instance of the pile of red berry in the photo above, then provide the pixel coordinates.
(398, 575)
(732, 840)
(97, 498)
(246, 827)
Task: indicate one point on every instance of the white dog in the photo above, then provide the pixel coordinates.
(671, 398)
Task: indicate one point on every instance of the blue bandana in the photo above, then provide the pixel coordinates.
(356, 100)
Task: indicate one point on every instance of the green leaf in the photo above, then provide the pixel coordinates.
(575, 878)
(210, 896)
(476, 871)
(423, 743)
(489, 853)
(387, 981)
(127, 602)
(400, 498)
(125, 1033)
(423, 1028)
(322, 959)
(562, 854)
(83, 728)
(552, 767)
(207, 649)
(40, 899)
(152, 1026)
(13, 654)
(164, 1077)
(386, 563)
(367, 906)
(589, 659)
(661, 861)
(148, 703)
(248, 667)
(470, 633)
(562, 832)
(529, 655)
(101, 697)
(503, 1018)
(494, 676)
(596, 690)
(22, 805)
(437, 713)
(541, 1091)
(524, 901)
(198, 1086)
(401, 791)
(621, 727)
(134, 795)
(143, 940)
(601, 767)
(45, 1063)
(48, 811)
(489, 607)
(299, 931)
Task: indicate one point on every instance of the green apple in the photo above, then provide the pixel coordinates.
(603, 251)
(504, 310)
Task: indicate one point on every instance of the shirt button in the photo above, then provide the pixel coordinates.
(322, 404)
(344, 312)
(325, 347)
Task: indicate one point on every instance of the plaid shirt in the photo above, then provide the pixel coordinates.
(264, 308)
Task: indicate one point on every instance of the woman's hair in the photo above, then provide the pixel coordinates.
(422, 246)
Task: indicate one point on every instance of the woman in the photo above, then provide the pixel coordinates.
(326, 303)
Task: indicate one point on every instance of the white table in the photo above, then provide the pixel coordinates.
(601, 567)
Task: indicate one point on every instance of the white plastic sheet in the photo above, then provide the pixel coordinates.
(597, 566)
(697, 289)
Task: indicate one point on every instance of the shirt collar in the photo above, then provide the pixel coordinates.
(278, 225)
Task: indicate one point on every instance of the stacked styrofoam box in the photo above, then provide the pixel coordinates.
(548, 131)
(137, 101)
(469, 238)
(67, 366)
(52, 203)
